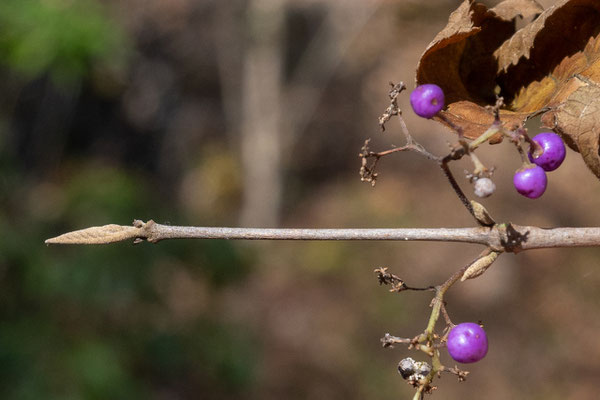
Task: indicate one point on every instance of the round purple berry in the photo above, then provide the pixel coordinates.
(427, 100)
(554, 151)
(531, 181)
(467, 343)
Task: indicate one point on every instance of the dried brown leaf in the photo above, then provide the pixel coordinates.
(550, 65)
(475, 119)
(578, 118)
(521, 43)
(540, 58)
(525, 9)
(460, 58)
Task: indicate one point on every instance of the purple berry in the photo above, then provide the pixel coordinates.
(427, 100)
(467, 343)
(530, 181)
(554, 151)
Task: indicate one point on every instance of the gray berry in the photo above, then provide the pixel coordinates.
(422, 368)
(406, 367)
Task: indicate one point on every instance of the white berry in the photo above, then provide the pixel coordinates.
(484, 187)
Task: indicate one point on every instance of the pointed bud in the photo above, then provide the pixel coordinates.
(479, 266)
(481, 214)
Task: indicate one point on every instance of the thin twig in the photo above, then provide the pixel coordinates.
(154, 232)
(460, 374)
(501, 237)
(393, 108)
(398, 285)
(445, 315)
(461, 195)
(389, 341)
(368, 173)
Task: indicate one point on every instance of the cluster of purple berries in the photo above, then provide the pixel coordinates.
(530, 180)
(467, 342)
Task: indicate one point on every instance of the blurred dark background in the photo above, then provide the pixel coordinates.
(252, 113)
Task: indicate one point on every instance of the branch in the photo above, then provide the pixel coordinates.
(501, 237)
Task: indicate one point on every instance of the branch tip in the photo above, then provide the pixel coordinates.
(105, 234)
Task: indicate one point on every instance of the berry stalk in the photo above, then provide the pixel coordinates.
(425, 341)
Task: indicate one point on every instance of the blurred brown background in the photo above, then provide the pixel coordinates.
(252, 113)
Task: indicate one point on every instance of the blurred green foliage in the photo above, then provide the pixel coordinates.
(59, 37)
(99, 322)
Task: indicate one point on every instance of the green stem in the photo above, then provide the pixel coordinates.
(438, 300)
(485, 136)
(428, 336)
(479, 168)
(418, 394)
(435, 313)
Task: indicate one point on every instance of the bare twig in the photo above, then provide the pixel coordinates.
(446, 316)
(368, 173)
(154, 232)
(393, 108)
(501, 237)
(389, 341)
(460, 374)
(398, 285)
(443, 164)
